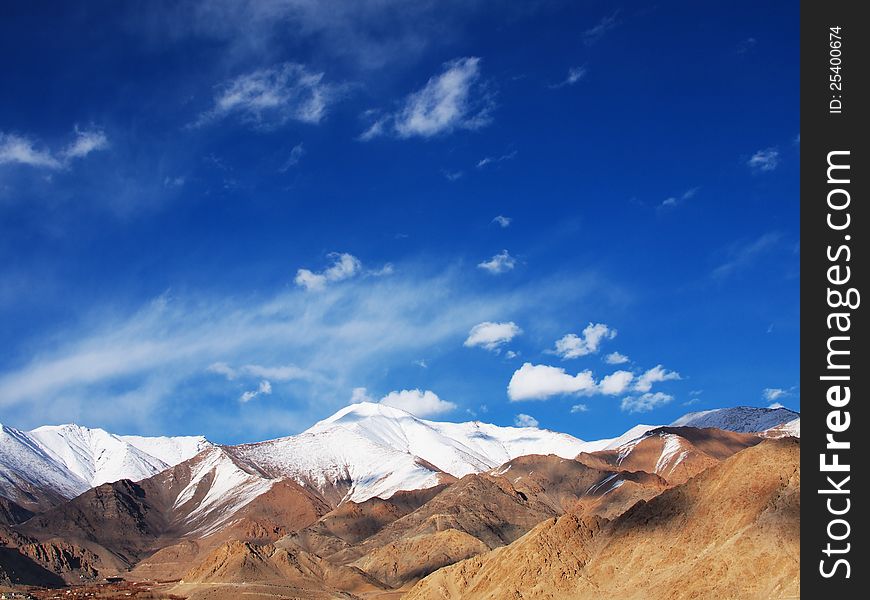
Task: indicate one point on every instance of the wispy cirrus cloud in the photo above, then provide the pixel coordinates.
(575, 75)
(138, 370)
(25, 150)
(502, 221)
(744, 254)
(673, 201)
(272, 96)
(457, 98)
(596, 33)
(764, 160)
(491, 160)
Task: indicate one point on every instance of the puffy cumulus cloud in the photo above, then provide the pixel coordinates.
(344, 266)
(23, 150)
(498, 264)
(491, 335)
(764, 160)
(615, 358)
(539, 382)
(579, 408)
(574, 346)
(645, 402)
(454, 99)
(771, 394)
(524, 420)
(265, 388)
(616, 383)
(272, 96)
(655, 375)
(418, 402)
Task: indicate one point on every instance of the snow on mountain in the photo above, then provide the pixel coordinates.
(792, 428)
(742, 419)
(219, 487)
(170, 450)
(376, 450)
(69, 459)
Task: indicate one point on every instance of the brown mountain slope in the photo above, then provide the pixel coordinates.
(290, 572)
(133, 520)
(674, 453)
(562, 483)
(731, 532)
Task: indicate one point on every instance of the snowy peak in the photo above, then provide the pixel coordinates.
(742, 419)
(66, 460)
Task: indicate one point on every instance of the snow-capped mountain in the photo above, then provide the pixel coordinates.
(376, 450)
(742, 419)
(61, 462)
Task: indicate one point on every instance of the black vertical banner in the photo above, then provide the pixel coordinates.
(835, 222)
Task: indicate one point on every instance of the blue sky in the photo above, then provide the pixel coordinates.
(233, 218)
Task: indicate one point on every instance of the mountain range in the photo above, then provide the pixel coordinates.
(368, 501)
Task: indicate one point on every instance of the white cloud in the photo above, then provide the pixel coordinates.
(296, 154)
(360, 394)
(86, 141)
(771, 394)
(574, 346)
(594, 34)
(452, 175)
(645, 402)
(579, 408)
(764, 160)
(264, 388)
(655, 375)
(539, 382)
(279, 373)
(616, 383)
(523, 420)
(135, 368)
(743, 255)
(575, 74)
(615, 358)
(675, 200)
(273, 96)
(454, 99)
(511, 354)
(500, 263)
(491, 335)
(776, 405)
(344, 266)
(490, 160)
(417, 402)
(16, 149)
(502, 221)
